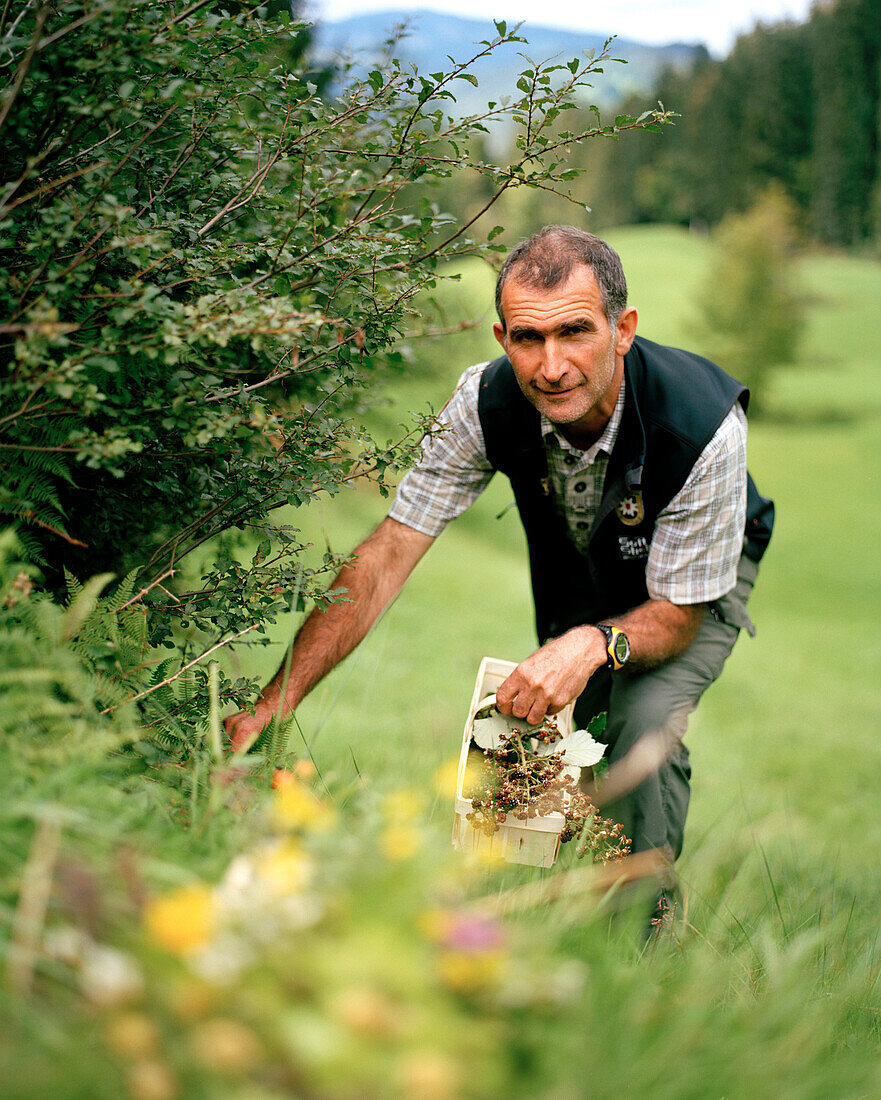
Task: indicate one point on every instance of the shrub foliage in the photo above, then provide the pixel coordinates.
(209, 267)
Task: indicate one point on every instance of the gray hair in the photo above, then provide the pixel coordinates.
(547, 259)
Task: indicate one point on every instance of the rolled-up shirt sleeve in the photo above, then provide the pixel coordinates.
(452, 470)
(698, 537)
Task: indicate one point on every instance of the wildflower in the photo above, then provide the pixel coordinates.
(298, 807)
(183, 920)
(462, 931)
(366, 1011)
(303, 769)
(446, 779)
(401, 806)
(132, 1034)
(227, 1046)
(400, 841)
(428, 1075)
(472, 955)
(109, 977)
(469, 972)
(284, 868)
(191, 998)
(151, 1080)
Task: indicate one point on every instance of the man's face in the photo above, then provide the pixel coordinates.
(567, 358)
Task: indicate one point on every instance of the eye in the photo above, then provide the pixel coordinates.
(525, 336)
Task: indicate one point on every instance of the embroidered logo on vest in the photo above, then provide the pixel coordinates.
(633, 548)
(630, 510)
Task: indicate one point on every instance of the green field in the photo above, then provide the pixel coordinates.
(780, 868)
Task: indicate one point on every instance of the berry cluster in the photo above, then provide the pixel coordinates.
(516, 780)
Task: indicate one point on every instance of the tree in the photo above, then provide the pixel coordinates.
(751, 315)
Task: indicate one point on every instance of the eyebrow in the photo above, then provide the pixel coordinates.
(577, 324)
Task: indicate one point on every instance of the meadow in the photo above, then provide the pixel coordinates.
(770, 736)
(780, 868)
(178, 929)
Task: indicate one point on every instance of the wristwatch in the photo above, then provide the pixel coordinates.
(617, 646)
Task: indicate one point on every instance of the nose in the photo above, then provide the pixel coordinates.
(554, 363)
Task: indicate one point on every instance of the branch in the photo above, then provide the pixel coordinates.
(39, 23)
(147, 587)
(190, 664)
(30, 517)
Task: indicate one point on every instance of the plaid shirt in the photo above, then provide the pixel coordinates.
(697, 539)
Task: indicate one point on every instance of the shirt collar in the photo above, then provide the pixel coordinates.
(606, 441)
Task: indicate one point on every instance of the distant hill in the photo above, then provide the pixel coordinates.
(432, 36)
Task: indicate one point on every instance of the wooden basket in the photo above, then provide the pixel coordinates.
(535, 841)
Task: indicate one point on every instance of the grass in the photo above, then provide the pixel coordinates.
(780, 857)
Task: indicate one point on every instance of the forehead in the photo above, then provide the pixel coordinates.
(578, 297)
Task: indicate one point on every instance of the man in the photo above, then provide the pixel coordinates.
(628, 465)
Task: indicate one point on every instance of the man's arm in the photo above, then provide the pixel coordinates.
(557, 673)
(382, 564)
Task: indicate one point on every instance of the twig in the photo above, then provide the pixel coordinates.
(153, 584)
(33, 900)
(170, 679)
(595, 879)
(214, 737)
(39, 23)
(31, 517)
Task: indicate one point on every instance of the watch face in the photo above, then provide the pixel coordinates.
(621, 648)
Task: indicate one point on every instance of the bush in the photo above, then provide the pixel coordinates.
(209, 268)
(751, 317)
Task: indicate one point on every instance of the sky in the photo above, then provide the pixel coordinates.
(715, 23)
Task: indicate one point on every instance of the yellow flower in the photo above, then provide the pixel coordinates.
(133, 1035)
(183, 920)
(151, 1079)
(428, 1075)
(285, 869)
(468, 971)
(435, 924)
(297, 807)
(400, 841)
(401, 806)
(446, 779)
(226, 1046)
(367, 1011)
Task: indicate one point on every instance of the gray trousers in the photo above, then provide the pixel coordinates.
(649, 770)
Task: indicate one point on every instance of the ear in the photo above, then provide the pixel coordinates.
(625, 330)
(500, 335)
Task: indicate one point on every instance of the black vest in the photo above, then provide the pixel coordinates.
(674, 403)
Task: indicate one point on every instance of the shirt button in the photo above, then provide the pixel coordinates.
(582, 525)
(580, 486)
(570, 460)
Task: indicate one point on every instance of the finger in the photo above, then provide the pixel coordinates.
(506, 693)
(536, 713)
(521, 705)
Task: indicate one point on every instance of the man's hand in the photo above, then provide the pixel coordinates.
(553, 676)
(556, 674)
(381, 565)
(243, 729)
